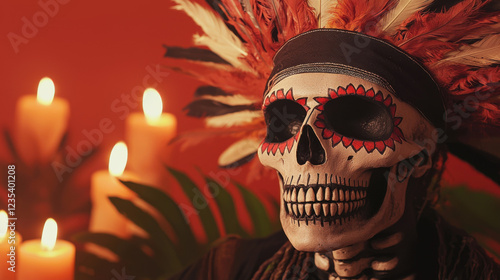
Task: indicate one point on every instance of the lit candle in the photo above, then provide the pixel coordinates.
(148, 135)
(40, 124)
(9, 242)
(48, 258)
(105, 183)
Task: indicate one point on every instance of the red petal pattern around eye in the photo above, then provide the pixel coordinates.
(266, 102)
(346, 141)
(319, 124)
(341, 91)
(274, 148)
(350, 89)
(361, 90)
(399, 133)
(327, 133)
(322, 100)
(272, 98)
(356, 144)
(370, 146)
(392, 109)
(380, 146)
(301, 101)
(389, 143)
(289, 143)
(336, 139)
(280, 94)
(282, 147)
(264, 147)
(370, 93)
(388, 101)
(332, 93)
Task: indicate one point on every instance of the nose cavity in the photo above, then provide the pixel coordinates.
(309, 148)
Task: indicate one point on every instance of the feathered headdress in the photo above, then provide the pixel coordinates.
(459, 46)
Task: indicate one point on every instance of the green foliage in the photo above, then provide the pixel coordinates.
(474, 211)
(163, 254)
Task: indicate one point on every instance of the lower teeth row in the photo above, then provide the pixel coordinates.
(323, 209)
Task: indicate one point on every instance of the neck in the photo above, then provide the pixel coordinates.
(388, 255)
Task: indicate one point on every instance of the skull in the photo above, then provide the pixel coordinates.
(344, 149)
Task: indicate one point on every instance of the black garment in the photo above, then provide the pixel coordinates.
(234, 258)
(444, 253)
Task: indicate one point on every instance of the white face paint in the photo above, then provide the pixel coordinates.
(344, 149)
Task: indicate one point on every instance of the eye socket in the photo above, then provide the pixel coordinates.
(283, 120)
(359, 117)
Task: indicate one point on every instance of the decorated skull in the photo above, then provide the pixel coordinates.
(344, 149)
(344, 145)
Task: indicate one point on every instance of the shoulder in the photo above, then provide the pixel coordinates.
(233, 258)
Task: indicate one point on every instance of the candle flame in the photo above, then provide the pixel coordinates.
(49, 235)
(118, 159)
(4, 222)
(46, 91)
(152, 105)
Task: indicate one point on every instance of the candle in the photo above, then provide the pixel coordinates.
(48, 258)
(9, 242)
(104, 216)
(40, 124)
(148, 135)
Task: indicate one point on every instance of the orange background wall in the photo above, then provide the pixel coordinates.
(97, 51)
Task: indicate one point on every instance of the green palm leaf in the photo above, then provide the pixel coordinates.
(157, 257)
(258, 214)
(169, 209)
(226, 207)
(164, 248)
(200, 203)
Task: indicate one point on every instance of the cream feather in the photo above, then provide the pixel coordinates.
(217, 36)
(233, 100)
(233, 119)
(482, 53)
(239, 150)
(323, 10)
(404, 9)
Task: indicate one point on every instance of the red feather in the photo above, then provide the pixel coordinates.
(480, 80)
(446, 26)
(360, 16)
(228, 79)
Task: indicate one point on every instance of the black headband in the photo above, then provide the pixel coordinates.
(360, 55)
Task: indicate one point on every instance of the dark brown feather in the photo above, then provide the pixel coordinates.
(193, 53)
(211, 108)
(210, 91)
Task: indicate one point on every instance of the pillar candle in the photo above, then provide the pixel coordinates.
(9, 242)
(48, 258)
(105, 183)
(148, 135)
(40, 123)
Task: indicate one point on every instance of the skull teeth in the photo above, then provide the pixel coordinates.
(323, 201)
(323, 209)
(309, 194)
(310, 197)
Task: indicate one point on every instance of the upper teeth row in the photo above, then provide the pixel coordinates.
(324, 179)
(301, 194)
